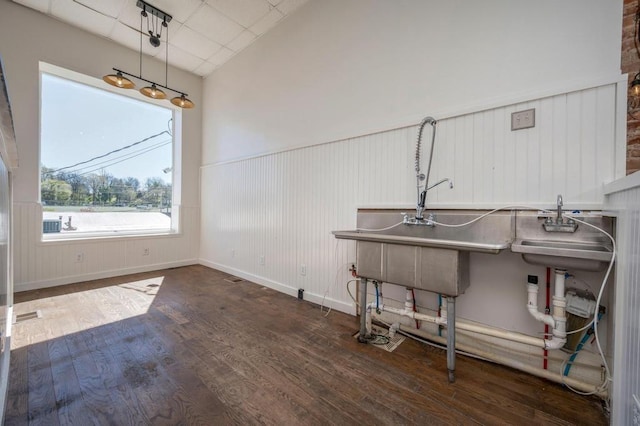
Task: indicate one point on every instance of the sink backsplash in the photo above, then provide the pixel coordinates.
(529, 227)
(495, 228)
(498, 227)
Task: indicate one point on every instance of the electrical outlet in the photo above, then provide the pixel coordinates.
(145, 251)
(523, 119)
(262, 260)
(303, 269)
(79, 257)
(233, 253)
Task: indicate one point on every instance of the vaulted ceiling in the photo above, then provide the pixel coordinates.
(203, 34)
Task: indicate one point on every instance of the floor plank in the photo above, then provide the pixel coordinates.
(184, 346)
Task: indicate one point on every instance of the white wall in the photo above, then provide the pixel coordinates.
(623, 198)
(284, 206)
(27, 37)
(318, 118)
(338, 69)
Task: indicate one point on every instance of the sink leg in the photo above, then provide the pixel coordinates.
(363, 337)
(451, 338)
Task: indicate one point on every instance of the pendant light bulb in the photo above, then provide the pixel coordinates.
(118, 80)
(153, 92)
(183, 102)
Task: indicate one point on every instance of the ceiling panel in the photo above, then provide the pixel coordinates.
(81, 16)
(243, 40)
(130, 37)
(205, 69)
(222, 56)
(244, 12)
(181, 59)
(288, 6)
(203, 34)
(39, 5)
(180, 10)
(269, 21)
(110, 8)
(214, 25)
(194, 43)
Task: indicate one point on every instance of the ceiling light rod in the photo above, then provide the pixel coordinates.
(154, 11)
(150, 82)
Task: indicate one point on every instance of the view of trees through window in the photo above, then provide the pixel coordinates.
(106, 161)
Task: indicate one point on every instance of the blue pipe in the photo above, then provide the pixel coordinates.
(583, 341)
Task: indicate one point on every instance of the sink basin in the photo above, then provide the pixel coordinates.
(435, 258)
(585, 256)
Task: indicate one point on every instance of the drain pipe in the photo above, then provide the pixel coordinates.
(559, 302)
(445, 321)
(522, 366)
(558, 320)
(510, 362)
(547, 311)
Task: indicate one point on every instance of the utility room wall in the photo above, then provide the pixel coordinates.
(269, 219)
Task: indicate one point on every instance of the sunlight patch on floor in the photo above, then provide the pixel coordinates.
(57, 319)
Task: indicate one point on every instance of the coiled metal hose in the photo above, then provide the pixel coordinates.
(432, 122)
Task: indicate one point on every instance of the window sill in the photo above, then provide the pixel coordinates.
(106, 236)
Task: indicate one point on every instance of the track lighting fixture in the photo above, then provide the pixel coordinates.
(156, 20)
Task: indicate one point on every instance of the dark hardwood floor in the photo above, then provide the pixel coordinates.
(184, 346)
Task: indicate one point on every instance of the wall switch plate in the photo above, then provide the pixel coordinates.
(523, 119)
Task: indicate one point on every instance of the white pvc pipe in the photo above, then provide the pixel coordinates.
(502, 334)
(532, 306)
(472, 328)
(510, 362)
(557, 321)
(559, 303)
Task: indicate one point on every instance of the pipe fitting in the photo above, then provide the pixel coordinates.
(532, 306)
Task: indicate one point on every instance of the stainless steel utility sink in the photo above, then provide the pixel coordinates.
(435, 258)
(585, 256)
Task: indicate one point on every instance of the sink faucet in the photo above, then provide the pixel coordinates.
(442, 181)
(559, 225)
(422, 195)
(559, 203)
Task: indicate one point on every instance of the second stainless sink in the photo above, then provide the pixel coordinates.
(586, 249)
(579, 255)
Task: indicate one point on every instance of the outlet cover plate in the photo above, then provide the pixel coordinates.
(523, 119)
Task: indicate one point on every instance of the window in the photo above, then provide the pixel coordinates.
(106, 160)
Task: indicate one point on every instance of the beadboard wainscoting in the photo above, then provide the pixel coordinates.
(623, 198)
(40, 264)
(269, 218)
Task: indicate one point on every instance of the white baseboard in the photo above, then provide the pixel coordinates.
(35, 285)
(328, 302)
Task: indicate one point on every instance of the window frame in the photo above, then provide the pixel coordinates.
(175, 228)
